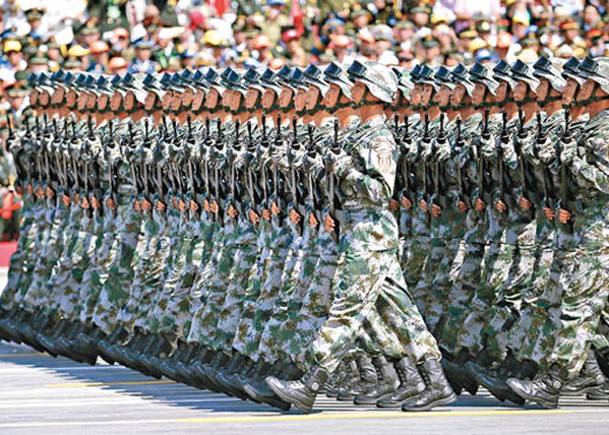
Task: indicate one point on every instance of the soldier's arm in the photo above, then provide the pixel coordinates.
(376, 184)
(597, 173)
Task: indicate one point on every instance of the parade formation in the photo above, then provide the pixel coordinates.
(384, 236)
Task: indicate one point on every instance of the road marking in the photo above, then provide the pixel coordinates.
(21, 355)
(101, 384)
(370, 415)
(280, 418)
(131, 401)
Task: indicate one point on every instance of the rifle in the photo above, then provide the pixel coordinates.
(545, 173)
(294, 183)
(459, 143)
(500, 163)
(264, 144)
(436, 162)
(563, 171)
(332, 185)
(311, 182)
(405, 165)
(217, 176)
(274, 172)
(423, 159)
(110, 166)
(522, 165)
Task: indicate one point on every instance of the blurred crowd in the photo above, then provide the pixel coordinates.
(116, 36)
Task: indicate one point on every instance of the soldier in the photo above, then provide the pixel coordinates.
(358, 296)
(583, 281)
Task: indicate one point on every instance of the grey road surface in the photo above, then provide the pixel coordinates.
(40, 394)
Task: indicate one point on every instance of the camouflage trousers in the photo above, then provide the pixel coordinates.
(250, 331)
(504, 314)
(583, 300)
(38, 290)
(205, 320)
(496, 255)
(270, 337)
(69, 302)
(97, 273)
(60, 275)
(242, 275)
(307, 315)
(369, 297)
(465, 282)
(22, 259)
(115, 289)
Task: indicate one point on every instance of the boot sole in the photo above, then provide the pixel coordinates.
(540, 402)
(580, 392)
(292, 400)
(440, 402)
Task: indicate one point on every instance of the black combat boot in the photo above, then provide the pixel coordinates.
(459, 376)
(259, 390)
(590, 378)
(300, 393)
(543, 390)
(387, 382)
(361, 385)
(411, 384)
(494, 381)
(437, 392)
(345, 374)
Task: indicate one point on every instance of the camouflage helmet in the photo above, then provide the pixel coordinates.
(550, 69)
(380, 80)
(521, 72)
(596, 70)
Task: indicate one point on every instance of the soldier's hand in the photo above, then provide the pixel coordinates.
(275, 208)
(313, 220)
(564, 216)
(462, 207)
(525, 204)
(549, 213)
(393, 205)
(500, 206)
(294, 216)
(436, 210)
(253, 216)
(146, 205)
(479, 205)
(423, 205)
(406, 203)
(329, 224)
(266, 214)
(232, 211)
(193, 206)
(213, 207)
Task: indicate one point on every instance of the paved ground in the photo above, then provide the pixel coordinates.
(45, 395)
